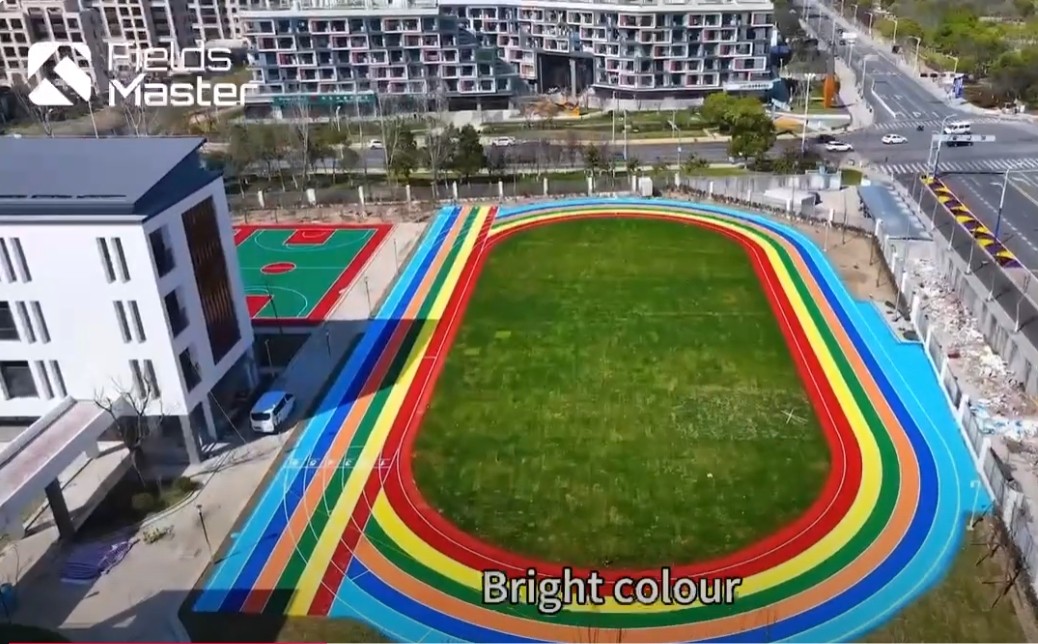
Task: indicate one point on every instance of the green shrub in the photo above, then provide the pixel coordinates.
(184, 485)
(143, 502)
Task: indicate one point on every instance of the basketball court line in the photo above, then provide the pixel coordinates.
(337, 286)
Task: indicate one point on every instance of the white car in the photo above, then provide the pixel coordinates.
(893, 139)
(502, 141)
(376, 144)
(838, 146)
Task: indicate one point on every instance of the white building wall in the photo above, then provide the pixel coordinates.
(69, 281)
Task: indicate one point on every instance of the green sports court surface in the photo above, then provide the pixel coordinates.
(294, 274)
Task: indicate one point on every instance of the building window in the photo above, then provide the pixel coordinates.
(17, 379)
(189, 369)
(41, 322)
(139, 388)
(8, 329)
(124, 326)
(41, 368)
(23, 315)
(19, 256)
(106, 259)
(176, 313)
(6, 266)
(59, 380)
(120, 256)
(211, 278)
(151, 379)
(161, 252)
(138, 323)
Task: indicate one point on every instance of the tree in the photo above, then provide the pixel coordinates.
(752, 138)
(572, 146)
(135, 413)
(751, 129)
(469, 156)
(403, 159)
(693, 164)
(592, 159)
(440, 144)
(633, 165)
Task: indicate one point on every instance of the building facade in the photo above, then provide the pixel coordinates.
(143, 24)
(353, 54)
(120, 281)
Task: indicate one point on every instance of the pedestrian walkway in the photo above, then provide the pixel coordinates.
(930, 124)
(975, 166)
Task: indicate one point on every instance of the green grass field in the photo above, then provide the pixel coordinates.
(617, 396)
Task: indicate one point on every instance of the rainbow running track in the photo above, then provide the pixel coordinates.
(341, 531)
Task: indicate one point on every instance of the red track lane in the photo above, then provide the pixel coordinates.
(336, 570)
(834, 502)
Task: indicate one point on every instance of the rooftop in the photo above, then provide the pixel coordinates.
(112, 176)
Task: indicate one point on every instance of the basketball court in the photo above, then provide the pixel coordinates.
(295, 274)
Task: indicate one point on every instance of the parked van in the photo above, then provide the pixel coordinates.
(271, 411)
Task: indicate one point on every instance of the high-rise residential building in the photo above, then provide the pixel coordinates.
(24, 22)
(139, 24)
(354, 54)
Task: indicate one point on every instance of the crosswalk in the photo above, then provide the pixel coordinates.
(975, 165)
(930, 124)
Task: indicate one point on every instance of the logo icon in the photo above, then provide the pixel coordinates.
(46, 94)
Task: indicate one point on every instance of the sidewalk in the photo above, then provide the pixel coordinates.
(138, 600)
(861, 112)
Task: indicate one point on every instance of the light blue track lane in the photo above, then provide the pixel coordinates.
(254, 534)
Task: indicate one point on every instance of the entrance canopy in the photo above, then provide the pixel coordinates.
(42, 452)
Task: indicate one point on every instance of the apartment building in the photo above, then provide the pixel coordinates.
(214, 21)
(24, 22)
(172, 24)
(342, 54)
(119, 280)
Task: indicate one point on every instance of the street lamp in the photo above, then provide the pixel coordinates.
(803, 125)
(864, 71)
(1002, 198)
(893, 38)
(955, 68)
(871, 17)
(918, 43)
(937, 153)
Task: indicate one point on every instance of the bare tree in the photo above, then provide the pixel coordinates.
(302, 143)
(439, 137)
(135, 413)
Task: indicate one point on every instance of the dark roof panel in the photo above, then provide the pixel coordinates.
(67, 176)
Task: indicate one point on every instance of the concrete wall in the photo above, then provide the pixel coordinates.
(1002, 300)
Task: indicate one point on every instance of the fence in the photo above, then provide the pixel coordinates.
(1011, 507)
(519, 187)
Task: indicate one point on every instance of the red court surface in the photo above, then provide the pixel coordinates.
(294, 274)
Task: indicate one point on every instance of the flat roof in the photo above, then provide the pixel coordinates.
(85, 176)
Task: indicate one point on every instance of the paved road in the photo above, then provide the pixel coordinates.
(901, 102)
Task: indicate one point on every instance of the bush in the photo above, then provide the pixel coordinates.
(184, 485)
(143, 502)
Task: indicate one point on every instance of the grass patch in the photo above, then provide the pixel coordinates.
(959, 608)
(850, 176)
(638, 398)
(132, 501)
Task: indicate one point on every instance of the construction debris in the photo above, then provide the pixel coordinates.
(981, 372)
